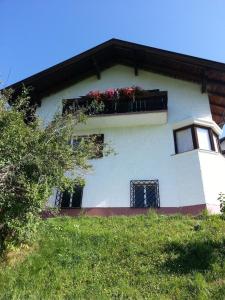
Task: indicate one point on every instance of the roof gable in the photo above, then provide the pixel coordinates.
(210, 74)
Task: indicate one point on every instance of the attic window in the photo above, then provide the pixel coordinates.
(195, 137)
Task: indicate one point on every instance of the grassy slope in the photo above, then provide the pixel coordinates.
(122, 257)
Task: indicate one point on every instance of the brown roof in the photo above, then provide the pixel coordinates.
(210, 74)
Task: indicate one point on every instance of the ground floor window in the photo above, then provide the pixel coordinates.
(67, 199)
(144, 193)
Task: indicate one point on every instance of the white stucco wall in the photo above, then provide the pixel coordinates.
(212, 171)
(185, 99)
(144, 152)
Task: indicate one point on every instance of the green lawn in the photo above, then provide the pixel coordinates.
(142, 257)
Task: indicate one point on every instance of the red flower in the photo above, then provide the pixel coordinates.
(129, 91)
(110, 93)
(96, 95)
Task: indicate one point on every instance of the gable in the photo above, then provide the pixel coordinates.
(211, 75)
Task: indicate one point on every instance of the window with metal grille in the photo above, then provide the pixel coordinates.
(144, 193)
(97, 139)
(67, 199)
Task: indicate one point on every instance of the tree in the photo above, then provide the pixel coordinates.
(33, 160)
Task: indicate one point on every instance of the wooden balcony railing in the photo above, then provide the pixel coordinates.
(149, 101)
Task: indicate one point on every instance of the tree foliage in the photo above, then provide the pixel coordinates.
(221, 199)
(33, 160)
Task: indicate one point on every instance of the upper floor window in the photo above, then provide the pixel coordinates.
(195, 137)
(222, 145)
(96, 141)
(184, 140)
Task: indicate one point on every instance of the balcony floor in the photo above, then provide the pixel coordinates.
(158, 117)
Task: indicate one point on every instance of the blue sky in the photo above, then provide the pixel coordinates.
(36, 34)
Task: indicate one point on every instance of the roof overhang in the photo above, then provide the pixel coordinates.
(210, 74)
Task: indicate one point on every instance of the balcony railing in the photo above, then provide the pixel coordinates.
(153, 100)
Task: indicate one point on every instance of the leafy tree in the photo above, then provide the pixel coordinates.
(221, 199)
(33, 160)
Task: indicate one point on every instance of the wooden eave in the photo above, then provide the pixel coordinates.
(210, 74)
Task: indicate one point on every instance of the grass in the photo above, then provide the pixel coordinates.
(142, 257)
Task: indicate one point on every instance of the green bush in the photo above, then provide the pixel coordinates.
(34, 159)
(221, 198)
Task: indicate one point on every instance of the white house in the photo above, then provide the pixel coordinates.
(166, 138)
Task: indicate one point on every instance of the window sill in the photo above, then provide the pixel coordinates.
(196, 150)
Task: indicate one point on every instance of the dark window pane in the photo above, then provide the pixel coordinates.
(65, 199)
(151, 195)
(77, 197)
(139, 196)
(144, 193)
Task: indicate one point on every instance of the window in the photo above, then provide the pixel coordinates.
(70, 200)
(216, 142)
(184, 140)
(97, 139)
(222, 145)
(195, 137)
(203, 135)
(144, 193)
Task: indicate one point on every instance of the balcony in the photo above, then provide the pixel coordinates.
(147, 108)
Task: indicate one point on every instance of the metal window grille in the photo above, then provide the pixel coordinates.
(69, 200)
(144, 193)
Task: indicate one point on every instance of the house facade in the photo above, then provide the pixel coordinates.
(166, 137)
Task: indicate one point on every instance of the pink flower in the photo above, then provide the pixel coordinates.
(129, 91)
(96, 95)
(110, 93)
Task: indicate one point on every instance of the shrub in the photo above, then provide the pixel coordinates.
(221, 199)
(33, 160)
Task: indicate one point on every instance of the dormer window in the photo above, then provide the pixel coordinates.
(195, 137)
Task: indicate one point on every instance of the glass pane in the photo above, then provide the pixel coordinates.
(203, 138)
(222, 146)
(65, 199)
(151, 195)
(77, 196)
(215, 139)
(139, 196)
(184, 140)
